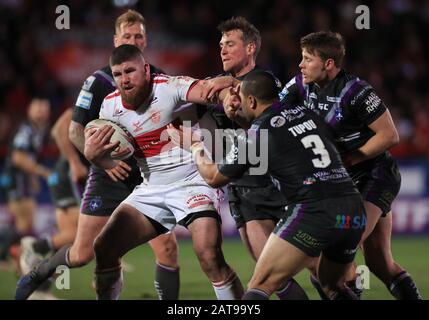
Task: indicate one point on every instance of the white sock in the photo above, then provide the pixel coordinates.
(108, 283)
(229, 289)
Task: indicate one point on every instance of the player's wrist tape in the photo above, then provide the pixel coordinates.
(196, 147)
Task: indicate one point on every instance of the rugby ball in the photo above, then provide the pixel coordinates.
(126, 146)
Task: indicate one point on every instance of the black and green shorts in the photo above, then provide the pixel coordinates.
(333, 226)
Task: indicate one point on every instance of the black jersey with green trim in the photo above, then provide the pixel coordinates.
(300, 155)
(348, 104)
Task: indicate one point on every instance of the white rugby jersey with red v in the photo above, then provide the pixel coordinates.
(159, 160)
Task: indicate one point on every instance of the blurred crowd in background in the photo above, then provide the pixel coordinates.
(37, 57)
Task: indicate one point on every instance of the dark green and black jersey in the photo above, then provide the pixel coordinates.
(295, 146)
(348, 104)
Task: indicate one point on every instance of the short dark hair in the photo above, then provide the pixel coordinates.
(260, 84)
(250, 32)
(326, 44)
(125, 52)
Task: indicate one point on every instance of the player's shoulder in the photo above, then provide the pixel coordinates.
(352, 82)
(354, 88)
(167, 83)
(270, 118)
(24, 127)
(154, 69)
(99, 79)
(160, 78)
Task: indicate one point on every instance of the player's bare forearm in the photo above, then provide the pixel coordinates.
(210, 91)
(24, 162)
(60, 133)
(76, 135)
(385, 137)
(207, 169)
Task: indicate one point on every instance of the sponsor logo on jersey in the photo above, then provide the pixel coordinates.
(312, 95)
(84, 100)
(88, 83)
(118, 112)
(154, 100)
(372, 102)
(333, 99)
(277, 121)
(339, 114)
(138, 126)
(155, 116)
(309, 181)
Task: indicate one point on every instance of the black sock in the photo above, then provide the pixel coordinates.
(315, 282)
(42, 246)
(8, 237)
(255, 294)
(167, 282)
(48, 266)
(292, 291)
(352, 285)
(404, 288)
(344, 294)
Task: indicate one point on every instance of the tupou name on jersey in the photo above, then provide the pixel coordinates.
(303, 127)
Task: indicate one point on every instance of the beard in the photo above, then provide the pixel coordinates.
(133, 97)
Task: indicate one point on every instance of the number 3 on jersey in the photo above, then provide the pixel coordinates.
(316, 144)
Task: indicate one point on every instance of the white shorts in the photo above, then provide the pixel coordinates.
(168, 204)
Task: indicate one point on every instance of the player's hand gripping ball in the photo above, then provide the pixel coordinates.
(126, 142)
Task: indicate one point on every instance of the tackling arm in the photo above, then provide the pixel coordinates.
(385, 137)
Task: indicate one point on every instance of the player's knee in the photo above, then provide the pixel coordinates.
(210, 258)
(167, 255)
(99, 246)
(81, 255)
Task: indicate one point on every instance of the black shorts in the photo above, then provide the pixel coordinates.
(332, 226)
(16, 185)
(255, 203)
(102, 195)
(64, 192)
(378, 180)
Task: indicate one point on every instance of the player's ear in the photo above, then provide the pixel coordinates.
(252, 102)
(329, 64)
(147, 69)
(251, 48)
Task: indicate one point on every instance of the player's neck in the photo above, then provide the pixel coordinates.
(244, 70)
(330, 75)
(261, 108)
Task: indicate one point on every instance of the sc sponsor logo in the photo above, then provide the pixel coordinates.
(346, 222)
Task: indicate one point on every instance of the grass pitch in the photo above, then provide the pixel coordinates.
(411, 253)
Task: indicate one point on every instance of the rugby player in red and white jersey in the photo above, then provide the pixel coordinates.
(172, 192)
